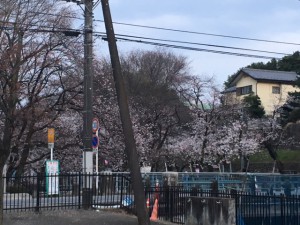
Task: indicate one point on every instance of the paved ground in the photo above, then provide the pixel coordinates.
(74, 217)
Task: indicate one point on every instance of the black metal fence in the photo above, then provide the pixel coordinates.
(75, 191)
(258, 209)
(66, 191)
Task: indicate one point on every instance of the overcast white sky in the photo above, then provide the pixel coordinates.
(277, 20)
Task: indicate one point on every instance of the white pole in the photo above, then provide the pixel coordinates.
(4, 175)
(97, 170)
(51, 154)
(97, 158)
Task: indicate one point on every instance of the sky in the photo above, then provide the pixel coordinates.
(275, 20)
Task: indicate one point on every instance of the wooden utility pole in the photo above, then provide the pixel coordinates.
(130, 145)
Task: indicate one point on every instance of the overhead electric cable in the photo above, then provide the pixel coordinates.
(183, 31)
(42, 28)
(193, 49)
(202, 44)
(77, 31)
(71, 32)
(203, 33)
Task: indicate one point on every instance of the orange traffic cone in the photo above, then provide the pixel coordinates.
(154, 211)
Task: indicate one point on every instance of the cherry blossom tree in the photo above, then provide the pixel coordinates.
(217, 133)
(155, 106)
(36, 70)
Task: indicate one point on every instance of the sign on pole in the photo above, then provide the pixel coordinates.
(52, 177)
(95, 141)
(95, 125)
(51, 133)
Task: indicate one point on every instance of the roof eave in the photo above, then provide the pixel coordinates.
(275, 81)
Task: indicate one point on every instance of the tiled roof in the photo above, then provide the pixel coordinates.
(273, 75)
(231, 89)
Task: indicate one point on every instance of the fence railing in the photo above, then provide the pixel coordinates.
(66, 191)
(258, 208)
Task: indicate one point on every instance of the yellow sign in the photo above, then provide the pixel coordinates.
(51, 133)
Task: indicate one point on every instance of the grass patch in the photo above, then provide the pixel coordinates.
(283, 155)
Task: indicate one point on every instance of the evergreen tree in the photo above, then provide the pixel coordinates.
(290, 111)
(271, 65)
(253, 107)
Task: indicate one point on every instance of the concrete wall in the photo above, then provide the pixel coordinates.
(210, 211)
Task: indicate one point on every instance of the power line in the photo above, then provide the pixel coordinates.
(202, 44)
(203, 33)
(44, 29)
(182, 31)
(76, 32)
(192, 48)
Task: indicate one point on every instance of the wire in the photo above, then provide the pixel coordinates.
(181, 31)
(74, 32)
(202, 33)
(147, 38)
(202, 44)
(42, 28)
(71, 32)
(193, 49)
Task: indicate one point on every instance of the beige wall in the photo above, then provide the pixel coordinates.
(246, 81)
(272, 101)
(269, 101)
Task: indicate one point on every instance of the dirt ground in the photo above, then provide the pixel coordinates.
(73, 217)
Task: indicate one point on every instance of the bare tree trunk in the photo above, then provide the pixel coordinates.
(272, 152)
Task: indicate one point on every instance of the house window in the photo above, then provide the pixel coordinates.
(244, 90)
(275, 90)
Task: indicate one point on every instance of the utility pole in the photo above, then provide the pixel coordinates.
(130, 146)
(88, 104)
(88, 81)
(87, 133)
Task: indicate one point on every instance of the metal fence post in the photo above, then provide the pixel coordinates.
(282, 209)
(172, 190)
(37, 207)
(121, 196)
(79, 190)
(167, 201)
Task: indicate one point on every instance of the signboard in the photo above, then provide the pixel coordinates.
(52, 177)
(95, 125)
(51, 133)
(95, 142)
